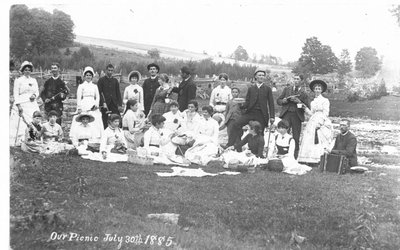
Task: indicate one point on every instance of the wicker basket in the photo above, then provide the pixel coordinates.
(134, 158)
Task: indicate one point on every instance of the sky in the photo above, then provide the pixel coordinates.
(278, 28)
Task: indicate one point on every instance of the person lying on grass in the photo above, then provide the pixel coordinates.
(33, 135)
(51, 130)
(254, 141)
(113, 140)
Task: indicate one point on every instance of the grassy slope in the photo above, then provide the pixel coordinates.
(248, 211)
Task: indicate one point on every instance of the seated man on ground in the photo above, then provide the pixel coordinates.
(113, 140)
(346, 143)
(33, 135)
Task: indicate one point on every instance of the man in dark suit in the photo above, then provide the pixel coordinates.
(259, 106)
(291, 112)
(150, 86)
(346, 143)
(54, 92)
(186, 89)
(110, 95)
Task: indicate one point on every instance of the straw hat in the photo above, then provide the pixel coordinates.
(81, 115)
(322, 83)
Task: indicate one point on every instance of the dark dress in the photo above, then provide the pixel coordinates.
(159, 106)
(53, 87)
(109, 90)
(149, 89)
(255, 144)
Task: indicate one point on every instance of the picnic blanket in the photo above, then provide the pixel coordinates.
(190, 172)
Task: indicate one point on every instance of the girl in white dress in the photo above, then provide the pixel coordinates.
(87, 100)
(318, 132)
(134, 91)
(133, 124)
(26, 92)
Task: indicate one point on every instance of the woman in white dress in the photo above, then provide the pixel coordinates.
(318, 132)
(205, 146)
(26, 92)
(133, 124)
(87, 100)
(221, 94)
(134, 91)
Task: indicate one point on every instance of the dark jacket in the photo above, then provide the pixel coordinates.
(346, 145)
(255, 143)
(51, 88)
(186, 92)
(149, 89)
(266, 100)
(289, 91)
(109, 89)
(232, 111)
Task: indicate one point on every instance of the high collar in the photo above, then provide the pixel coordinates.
(153, 77)
(345, 133)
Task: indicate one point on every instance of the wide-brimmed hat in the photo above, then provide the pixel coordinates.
(223, 75)
(25, 64)
(153, 65)
(134, 72)
(88, 68)
(322, 83)
(81, 115)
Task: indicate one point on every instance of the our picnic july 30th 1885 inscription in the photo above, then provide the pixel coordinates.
(136, 239)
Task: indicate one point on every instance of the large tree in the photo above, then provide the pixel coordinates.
(316, 58)
(367, 61)
(36, 31)
(240, 54)
(345, 65)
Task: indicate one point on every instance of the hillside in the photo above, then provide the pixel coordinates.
(167, 52)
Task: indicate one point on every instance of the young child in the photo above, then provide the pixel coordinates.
(33, 135)
(112, 138)
(52, 131)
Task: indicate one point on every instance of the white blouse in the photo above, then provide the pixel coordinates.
(87, 95)
(132, 121)
(191, 121)
(110, 136)
(83, 132)
(173, 121)
(209, 127)
(286, 141)
(220, 95)
(319, 104)
(134, 91)
(24, 88)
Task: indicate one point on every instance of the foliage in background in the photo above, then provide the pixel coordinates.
(240, 54)
(316, 58)
(344, 66)
(367, 61)
(396, 13)
(154, 53)
(36, 32)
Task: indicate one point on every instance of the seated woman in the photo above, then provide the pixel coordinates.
(84, 134)
(173, 118)
(284, 151)
(33, 135)
(205, 146)
(191, 120)
(156, 140)
(255, 144)
(133, 124)
(52, 131)
(113, 140)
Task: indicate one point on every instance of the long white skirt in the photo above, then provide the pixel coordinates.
(17, 125)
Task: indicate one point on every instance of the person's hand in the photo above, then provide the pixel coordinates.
(272, 120)
(62, 95)
(32, 98)
(222, 127)
(105, 105)
(47, 100)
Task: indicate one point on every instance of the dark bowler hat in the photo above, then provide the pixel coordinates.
(322, 83)
(153, 65)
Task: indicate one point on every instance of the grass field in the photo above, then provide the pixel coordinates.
(66, 194)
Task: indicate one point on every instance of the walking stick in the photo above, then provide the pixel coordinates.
(269, 135)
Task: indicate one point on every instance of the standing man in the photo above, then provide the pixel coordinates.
(346, 143)
(186, 89)
(110, 95)
(291, 112)
(54, 92)
(259, 106)
(150, 86)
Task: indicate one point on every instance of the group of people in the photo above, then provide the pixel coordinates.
(152, 119)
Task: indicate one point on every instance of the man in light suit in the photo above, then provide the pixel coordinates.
(290, 97)
(259, 106)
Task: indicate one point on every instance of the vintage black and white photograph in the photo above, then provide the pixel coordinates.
(243, 124)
